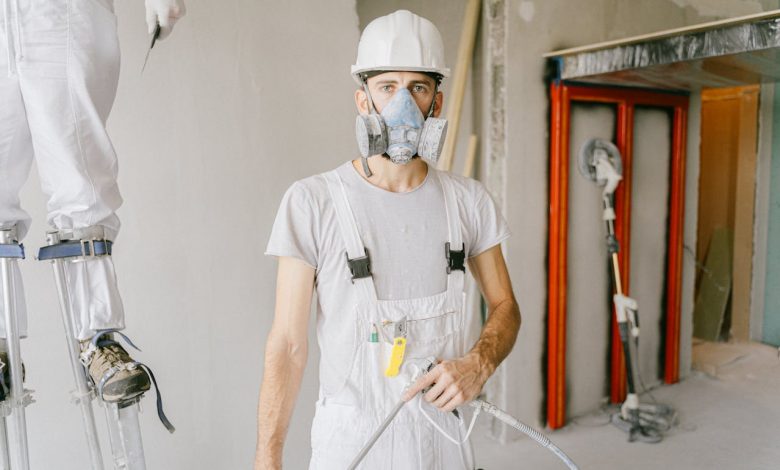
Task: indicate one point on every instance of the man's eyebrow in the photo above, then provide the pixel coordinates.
(387, 81)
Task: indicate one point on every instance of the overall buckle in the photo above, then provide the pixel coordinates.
(455, 258)
(359, 267)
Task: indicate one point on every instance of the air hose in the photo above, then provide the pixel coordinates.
(540, 438)
(480, 405)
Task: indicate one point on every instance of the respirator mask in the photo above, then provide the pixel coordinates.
(400, 130)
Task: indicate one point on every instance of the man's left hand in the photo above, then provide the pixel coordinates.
(454, 382)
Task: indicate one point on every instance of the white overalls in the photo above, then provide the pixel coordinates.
(358, 396)
(59, 70)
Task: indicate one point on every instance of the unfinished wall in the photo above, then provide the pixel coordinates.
(242, 100)
(761, 223)
(771, 326)
(589, 310)
(649, 231)
(588, 299)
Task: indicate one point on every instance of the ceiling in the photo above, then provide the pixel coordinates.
(734, 52)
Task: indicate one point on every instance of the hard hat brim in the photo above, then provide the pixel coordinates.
(357, 71)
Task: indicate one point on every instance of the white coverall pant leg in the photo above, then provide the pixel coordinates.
(59, 70)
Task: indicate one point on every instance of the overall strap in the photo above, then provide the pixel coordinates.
(357, 257)
(454, 250)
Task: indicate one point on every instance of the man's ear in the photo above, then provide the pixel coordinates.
(439, 102)
(361, 101)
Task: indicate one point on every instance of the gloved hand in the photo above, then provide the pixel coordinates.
(164, 12)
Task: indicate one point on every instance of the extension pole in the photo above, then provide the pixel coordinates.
(471, 157)
(631, 403)
(459, 80)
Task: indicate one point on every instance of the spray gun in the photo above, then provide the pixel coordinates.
(422, 366)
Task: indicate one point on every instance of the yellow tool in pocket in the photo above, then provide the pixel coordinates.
(396, 357)
(399, 349)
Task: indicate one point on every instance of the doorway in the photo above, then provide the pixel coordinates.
(727, 185)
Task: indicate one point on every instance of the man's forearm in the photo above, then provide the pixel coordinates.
(284, 366)
(498, 336)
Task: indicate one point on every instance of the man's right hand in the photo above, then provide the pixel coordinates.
(286, 351)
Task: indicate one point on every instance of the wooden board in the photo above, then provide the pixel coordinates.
(458, 91)
(715, 287)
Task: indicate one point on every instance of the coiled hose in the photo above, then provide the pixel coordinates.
(543, 440)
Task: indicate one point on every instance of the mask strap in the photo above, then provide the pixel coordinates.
(433, 103)
(371, 107)
(372, 110)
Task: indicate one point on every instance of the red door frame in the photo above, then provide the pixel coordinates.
(625, 100)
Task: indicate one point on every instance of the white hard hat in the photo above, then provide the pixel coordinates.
(400, 41)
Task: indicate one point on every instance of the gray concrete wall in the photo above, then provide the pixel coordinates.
(762, 219)
(587, 296)
(649, 231)
(243, 99)
(589, 302)
(771, 327)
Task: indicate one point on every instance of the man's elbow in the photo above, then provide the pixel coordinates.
(516, 315)
(512, 314)
(290, 351)
(298, 351)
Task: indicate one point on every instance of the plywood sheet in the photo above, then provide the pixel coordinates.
(715, 287)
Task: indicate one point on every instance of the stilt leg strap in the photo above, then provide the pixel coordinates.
(160, 413)
(100, 340)
(12, 250)
(75, 248)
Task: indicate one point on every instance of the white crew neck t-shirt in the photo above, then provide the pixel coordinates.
(404, 234)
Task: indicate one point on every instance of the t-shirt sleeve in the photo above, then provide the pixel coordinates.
(489, 227)
(294, 231)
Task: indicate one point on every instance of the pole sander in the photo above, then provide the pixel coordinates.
(600, 162)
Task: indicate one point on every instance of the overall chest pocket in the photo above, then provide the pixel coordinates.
(434, 334)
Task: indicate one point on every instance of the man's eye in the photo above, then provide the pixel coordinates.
(418, 89)
(386, 88)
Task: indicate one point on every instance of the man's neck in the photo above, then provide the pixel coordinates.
(392, 176)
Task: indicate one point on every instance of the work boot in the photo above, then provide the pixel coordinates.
(5, 387)
(124, 379)
(5, 370)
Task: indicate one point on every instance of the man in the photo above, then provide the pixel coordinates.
(60, 70)
(383, 239)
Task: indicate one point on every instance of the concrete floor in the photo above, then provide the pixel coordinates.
(729, 418)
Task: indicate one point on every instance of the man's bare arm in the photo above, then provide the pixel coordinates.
(503, 321)
(285, 360)
(461, 380)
